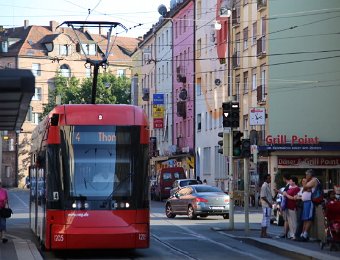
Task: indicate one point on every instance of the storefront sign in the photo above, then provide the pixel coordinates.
(294, 139)
(306, 162)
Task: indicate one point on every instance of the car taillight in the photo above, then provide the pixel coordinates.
(201, 200)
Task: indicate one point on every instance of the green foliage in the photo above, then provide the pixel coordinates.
(71, 91)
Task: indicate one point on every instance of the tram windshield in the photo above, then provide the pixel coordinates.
(99, 161)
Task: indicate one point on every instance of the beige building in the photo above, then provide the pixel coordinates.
(47, 50)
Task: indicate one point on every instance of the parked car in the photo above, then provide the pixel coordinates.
(165, 179)
(181, 183)
(198, 200)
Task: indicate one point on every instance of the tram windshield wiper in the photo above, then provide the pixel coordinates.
(128, 177)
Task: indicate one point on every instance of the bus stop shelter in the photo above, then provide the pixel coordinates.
(17, 86)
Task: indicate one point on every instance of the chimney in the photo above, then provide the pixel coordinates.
(26, 23)
(53, 26)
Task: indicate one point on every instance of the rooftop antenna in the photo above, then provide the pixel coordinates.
(95, 63)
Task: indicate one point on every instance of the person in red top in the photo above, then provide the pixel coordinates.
(291, 195)
(3, 204)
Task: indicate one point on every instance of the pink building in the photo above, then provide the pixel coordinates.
(183, 76)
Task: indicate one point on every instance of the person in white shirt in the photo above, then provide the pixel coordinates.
(266, 202)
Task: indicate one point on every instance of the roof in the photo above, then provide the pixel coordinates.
(16, 90)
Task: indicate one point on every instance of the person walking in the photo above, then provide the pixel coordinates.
(3, 204)
(266, 201)
(291, 206)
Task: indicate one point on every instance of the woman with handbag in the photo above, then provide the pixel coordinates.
(3, 204)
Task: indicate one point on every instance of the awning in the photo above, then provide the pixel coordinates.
(16, 90)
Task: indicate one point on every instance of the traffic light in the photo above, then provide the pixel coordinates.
(224, 143)
(237, 143)
(231, 114)
(245, 148)
(220, 143)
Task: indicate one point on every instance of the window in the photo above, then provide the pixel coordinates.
(89, 48)
(36, 69)
(237, 86)
(65, 71)
(36, 118)
(163, 72)
(37, 94)
(245, 82)
(63, 50)
(167, 69)
(199, 87)
(210, 120)
(29, 114)
(254, 80)
(263, 81)
(120, 72)
(206, 121)
(254, 33)
(245, 38)
(199, 9)
(184, 23)
(206, 160)
(199, 46)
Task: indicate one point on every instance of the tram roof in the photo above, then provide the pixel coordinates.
(17, 86)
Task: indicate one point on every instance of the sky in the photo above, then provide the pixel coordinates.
(129, 13)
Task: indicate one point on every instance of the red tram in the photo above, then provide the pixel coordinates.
(89, 178)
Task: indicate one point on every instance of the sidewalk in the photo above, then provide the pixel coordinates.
(19, 249)
(285, 247)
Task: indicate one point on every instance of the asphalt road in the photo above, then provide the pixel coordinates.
(178, 238)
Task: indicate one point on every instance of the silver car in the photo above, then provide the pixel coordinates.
(198, 200)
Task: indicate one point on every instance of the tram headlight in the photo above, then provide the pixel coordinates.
(86, 205)
(74, 205)
(122, 204)
(127, 205)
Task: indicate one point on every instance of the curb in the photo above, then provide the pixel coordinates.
(284, 249)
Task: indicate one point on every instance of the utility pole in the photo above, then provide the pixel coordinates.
(246, 189)
(231, 183)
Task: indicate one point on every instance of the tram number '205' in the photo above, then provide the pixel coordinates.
(59, 238)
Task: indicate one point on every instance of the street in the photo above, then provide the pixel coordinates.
(170, 238)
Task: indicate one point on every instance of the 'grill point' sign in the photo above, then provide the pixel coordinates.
(294, 139)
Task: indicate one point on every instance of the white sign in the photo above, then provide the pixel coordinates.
(257, 116)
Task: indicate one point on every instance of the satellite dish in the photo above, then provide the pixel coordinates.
(162, 10)
(217, 82)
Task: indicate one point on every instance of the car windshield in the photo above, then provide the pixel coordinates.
(205, 188)
(188, 182)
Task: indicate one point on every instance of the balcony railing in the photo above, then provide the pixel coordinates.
(236, 60)
(261, 47)
(261, 4)
(235, 17)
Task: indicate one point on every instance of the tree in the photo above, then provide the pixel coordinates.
(110, 90)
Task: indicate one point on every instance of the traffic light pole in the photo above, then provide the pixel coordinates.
(231, 183)
(246, 190)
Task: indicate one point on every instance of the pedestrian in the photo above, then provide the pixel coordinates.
(199, 179)
(318, 223)
(3, 204)
(291, 206)
(205, 181)
(283, 208)
(266, 202)
(299, 211)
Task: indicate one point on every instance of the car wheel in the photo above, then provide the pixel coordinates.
(191, 213)
(203, 216)
(168, 211)
(226, 216)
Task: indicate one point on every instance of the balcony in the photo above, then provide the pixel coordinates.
(181, 109)
(261, 4)
(261, 47)
(235, 17)
(235, 60)
(261, 95)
